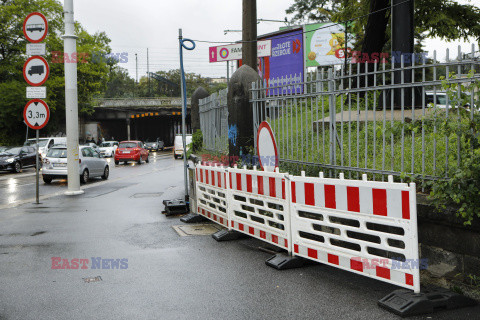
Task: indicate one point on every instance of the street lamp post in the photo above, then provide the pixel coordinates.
(71, 101)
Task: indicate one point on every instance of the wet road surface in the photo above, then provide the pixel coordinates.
(167, 276)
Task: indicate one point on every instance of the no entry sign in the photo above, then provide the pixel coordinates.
(36, 71)
(36, 114)
(267, 147)
(35, 27)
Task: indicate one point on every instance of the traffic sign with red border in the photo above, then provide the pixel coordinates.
(267, 147)
(36, 114)
(37, 74)
(35, 22)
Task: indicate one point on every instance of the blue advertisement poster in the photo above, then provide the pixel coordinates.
(285, 66)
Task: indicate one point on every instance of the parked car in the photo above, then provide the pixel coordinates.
(91, 164)
(155, 145)
(178, 145)
(107, 148)
(131, 151)
(441, 100)
(2, 148)
(44, 144)
(17, 158)
(93, 146)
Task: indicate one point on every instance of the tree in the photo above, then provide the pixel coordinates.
(446, 19)
(92, 77)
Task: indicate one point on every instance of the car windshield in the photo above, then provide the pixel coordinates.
(11, 151)
(33, 142)
(128, 145)
(106, 144)
(57, 153)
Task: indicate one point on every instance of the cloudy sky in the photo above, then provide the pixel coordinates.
(135, 26)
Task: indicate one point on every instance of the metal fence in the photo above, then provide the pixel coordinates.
(386, 118)
(214, 121)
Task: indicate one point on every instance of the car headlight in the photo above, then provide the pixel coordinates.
(10, 160)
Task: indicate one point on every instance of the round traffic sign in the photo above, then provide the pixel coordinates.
(36, 71)
(35, 27)
(267, 147)
(36, 114)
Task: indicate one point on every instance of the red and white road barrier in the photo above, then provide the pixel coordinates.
(258, 205)
(212, 193)
(365, 227)
(358, 226)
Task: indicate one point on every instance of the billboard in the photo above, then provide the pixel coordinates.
(234, 51)
(285, 65)
(322, 40)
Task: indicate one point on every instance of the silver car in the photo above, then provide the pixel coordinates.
(91, 164)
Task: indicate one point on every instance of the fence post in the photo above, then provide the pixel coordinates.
(332, 114)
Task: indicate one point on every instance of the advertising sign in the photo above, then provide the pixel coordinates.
(322, 41)
(285, 65)
(234, 51)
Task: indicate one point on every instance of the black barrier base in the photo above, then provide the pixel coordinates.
(284, 261)
(406, 303)
(227, 235)
(174, 207)
(193, 218)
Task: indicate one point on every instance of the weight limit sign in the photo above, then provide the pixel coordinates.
(36, 114)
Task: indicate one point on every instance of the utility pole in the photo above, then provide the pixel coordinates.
(71, 102)
(136, 68)
(403, 41)
(136, 75)
(249, 33)
(148, 72)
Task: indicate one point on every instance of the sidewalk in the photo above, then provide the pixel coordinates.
(168, 276)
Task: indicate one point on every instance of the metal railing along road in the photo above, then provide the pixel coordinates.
(360, 119)
(214, 121)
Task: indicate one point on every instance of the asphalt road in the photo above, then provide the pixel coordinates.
(20, 188)
(167, 276)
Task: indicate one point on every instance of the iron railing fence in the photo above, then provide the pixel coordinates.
(360, 119)
(214, 122)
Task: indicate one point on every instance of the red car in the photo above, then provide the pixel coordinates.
(131, 151)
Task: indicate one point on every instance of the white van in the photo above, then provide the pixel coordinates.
(178, 145)
(45, 144)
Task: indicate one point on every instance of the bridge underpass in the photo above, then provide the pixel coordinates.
(136, 118)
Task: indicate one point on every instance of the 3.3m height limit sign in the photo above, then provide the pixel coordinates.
(36, 114)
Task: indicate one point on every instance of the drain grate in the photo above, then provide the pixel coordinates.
(196, 230)
(147, 195)
(92, 279)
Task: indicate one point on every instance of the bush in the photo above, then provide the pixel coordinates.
(197, 141)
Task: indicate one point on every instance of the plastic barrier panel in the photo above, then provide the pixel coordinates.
(365, 227)
(258, 205)
(212, 193)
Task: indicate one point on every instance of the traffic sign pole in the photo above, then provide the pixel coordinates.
(37, 169)
(71, 102)
(35, 71)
